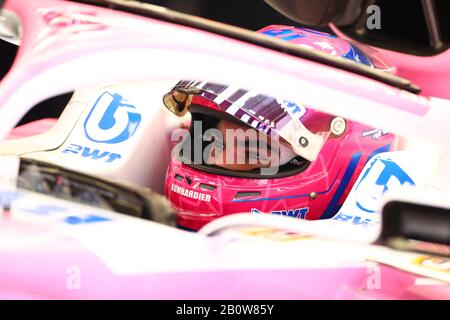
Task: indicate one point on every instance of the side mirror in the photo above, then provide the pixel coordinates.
(416, 227)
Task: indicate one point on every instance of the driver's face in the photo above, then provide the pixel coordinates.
(243, 148)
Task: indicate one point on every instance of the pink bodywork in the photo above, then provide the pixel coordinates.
(32, 128)
(41, 272)
(431, 73)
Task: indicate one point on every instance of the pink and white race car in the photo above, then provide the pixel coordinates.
(358, 207)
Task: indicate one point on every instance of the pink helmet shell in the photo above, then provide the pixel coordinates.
(316, 193)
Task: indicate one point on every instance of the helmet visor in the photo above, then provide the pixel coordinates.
(269, 115)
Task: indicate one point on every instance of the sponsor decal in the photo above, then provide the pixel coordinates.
(441, 264)
(381, 176)
(375, 133)
(296, 110)
(90, 218)
(355, 220)
(299, 213)
(273, 234)
(79, 20)
(93, 154)
(190, 193)
(111, 120)
(63, 215)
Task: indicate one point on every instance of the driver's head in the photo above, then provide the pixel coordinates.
(249, 152)
(244, 148)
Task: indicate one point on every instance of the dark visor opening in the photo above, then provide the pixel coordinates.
(210, 119)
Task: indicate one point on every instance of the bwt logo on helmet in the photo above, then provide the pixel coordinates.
(299, 213)
(296, 110)
(111, 120)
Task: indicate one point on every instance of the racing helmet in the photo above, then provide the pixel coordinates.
(247, 152)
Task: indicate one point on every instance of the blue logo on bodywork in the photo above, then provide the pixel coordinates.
(111, 120)
(94, 154)
(388, 175)
(50, 210)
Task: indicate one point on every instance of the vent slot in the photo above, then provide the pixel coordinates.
(207, 186)
(244, 194)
